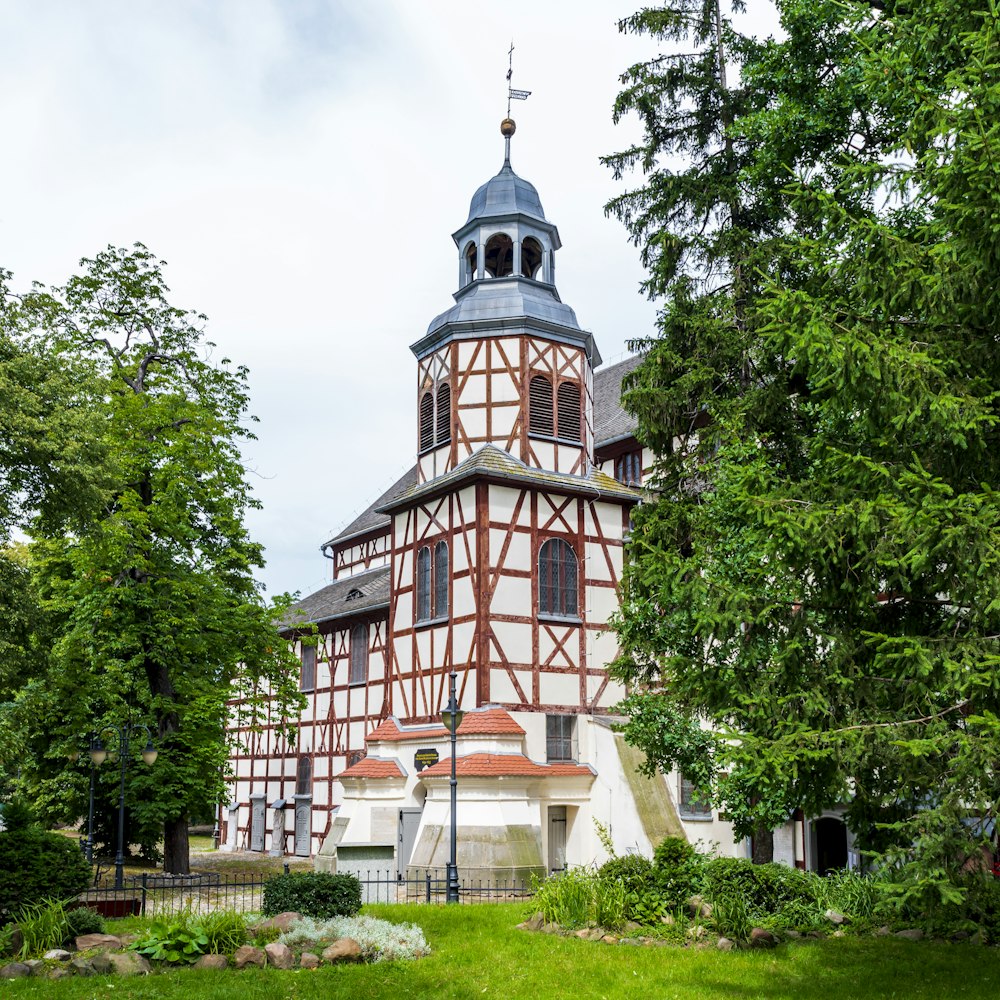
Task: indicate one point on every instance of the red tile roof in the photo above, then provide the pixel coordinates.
(486, 765)
(373, 767)
(477, 722)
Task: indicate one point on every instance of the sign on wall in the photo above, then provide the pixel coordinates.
(425, 758)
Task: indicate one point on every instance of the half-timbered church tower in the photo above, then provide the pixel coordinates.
(498, 556)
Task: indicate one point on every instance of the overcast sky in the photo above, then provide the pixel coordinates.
(300, 165)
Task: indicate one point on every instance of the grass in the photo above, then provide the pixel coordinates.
(478, 955)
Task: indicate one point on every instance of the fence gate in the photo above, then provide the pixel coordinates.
(257, 822)
(303, 825)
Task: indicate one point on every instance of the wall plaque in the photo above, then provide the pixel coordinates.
(425, 758)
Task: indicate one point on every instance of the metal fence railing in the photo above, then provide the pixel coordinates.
(158, 895)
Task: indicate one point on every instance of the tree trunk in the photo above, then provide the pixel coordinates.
(176, 853)
(763, 845)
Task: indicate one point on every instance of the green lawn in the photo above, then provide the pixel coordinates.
(478, 955)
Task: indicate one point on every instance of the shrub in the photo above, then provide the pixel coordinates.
(380, 940)
(732, 917)
(851, 892)
(609, 903)
(225, 930)
(982, 904)
(765, 888)
(35, 865)
(83, 920)
(313, 894)
(677, 871)
(634, 871)
(566, 899)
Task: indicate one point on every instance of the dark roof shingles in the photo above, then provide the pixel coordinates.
(610, 420)
(331, 601)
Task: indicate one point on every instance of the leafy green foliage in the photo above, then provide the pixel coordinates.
(677, 871)
(226, 931)
(567, 898)
(43, 926)
(766, 888)
(180, 939)
(817, 576)
(38, 865)
(149, 607)
(83, 920)
(313, 894)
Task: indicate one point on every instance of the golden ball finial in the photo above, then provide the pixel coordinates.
(507, 128)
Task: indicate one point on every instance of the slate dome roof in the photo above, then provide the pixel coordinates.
(506, 194)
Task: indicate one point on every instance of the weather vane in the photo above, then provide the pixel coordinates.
(512, 94)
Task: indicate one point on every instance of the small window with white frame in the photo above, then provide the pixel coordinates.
(694, 803)
(560, 738)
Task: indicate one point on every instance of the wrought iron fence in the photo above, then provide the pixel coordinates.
(157, 895)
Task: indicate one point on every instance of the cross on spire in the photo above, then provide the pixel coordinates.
(512, 94)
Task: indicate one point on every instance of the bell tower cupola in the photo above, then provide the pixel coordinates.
(508, 359)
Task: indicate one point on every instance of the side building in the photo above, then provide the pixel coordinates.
(497, 556)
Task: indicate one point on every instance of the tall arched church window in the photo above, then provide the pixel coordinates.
(426, 420)
(471, 263)
(531, 257)
(568, 411)
(443, 414)
(303, 776)
(499, 256)
(540, 406)
(359, 655)
(440, 609)
(557, 579)
(424, 584)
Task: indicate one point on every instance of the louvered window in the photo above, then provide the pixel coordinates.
(540, 406)
(426, 421)
(569, 411)
(440, 580)
(628, 468)
(424, 584)
(307, 681)
(557, 579)
(443, 414)
(359, 655)
(303, 777)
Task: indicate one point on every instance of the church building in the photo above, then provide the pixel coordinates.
(497, 556)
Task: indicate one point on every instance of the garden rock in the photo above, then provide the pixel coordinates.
(552, 928)
(247, 954)
(36, 965)
(309, 960)
(87, 941)
(609, 939)
(631, 925)
(535, 922)
(793, 934)
(668, 919)
(283, 921)
(211, 962)
(699, 908)
(102, 963)
(59, 972)
(911, 934)
(82, 966)
(697, 932)
(128, 963)
(15, 970)
(583, 933)
(724, 944)
(343, 950)
(839, 933)
(57, 955)
(977, 938)
(279, 955)
(16, 941)
(760, 938)
(835, 917)
(883, 932)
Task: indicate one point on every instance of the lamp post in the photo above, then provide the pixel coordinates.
(98, 754)
(452, 719)
(74, 756)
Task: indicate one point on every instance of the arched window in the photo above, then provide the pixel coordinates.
(531, 257)
(443, 414)
(359, 655)
(424, 584)
(440, 580)
(499, 256)
(540, 406)
(426, 421)
(303, 776)
(557, 579)
(569, 411)
(471, 263)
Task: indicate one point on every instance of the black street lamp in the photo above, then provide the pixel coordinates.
(74, 756)
(98, 754)
(452, 719)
